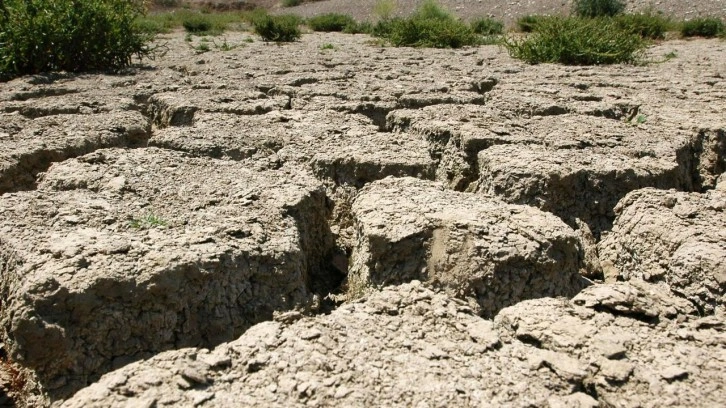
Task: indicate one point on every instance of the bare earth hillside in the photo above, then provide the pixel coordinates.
(507, 11)
(330, 222)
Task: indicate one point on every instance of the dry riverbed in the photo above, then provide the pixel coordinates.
(492, 232)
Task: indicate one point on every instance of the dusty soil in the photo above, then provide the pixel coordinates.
(353, 225)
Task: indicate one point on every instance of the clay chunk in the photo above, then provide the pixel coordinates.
(673, 237)
(475, 245)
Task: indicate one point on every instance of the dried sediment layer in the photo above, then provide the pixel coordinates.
(31, 146)
(672, 237)
(120, 254)
(625, 344)
(473, 245)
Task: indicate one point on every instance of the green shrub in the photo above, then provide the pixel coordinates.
(431, 33)
(431, 10)
(197, 23)
(291, 3)
(575, 41)
(597, 8)
(528, 23)
(357, 28)
(487, 26)
(429, 26)
(283, 28)
(647, 25)
(703, 27)
(75, 35)
(330, 22)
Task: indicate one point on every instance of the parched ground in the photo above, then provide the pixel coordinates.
(331, 222)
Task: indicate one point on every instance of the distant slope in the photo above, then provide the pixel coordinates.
(508, 10)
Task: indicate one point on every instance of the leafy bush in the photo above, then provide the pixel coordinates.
(430, 26)
(330, 22)
(647, 25)
(73, 35)
(598, 8)
(487, 26)
(283, 28)
(703, 27)
(575, 41)
(291, 3)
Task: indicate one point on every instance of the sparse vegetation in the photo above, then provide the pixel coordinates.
(284, 28)
(429, 26)
(597, 8)
(149, 220)
(576, 41)
(487, 26)
(330, 22)
(45, 35)
(708, 27)
(202, 48)
(327, 46)
(196, 22)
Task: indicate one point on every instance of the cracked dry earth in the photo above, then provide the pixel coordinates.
(493, 233)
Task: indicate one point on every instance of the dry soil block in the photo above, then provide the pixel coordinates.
(120, 254)
(475, 245)
(673, 237)
(28, 147)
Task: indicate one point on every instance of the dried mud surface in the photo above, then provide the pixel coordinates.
(329, 222)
